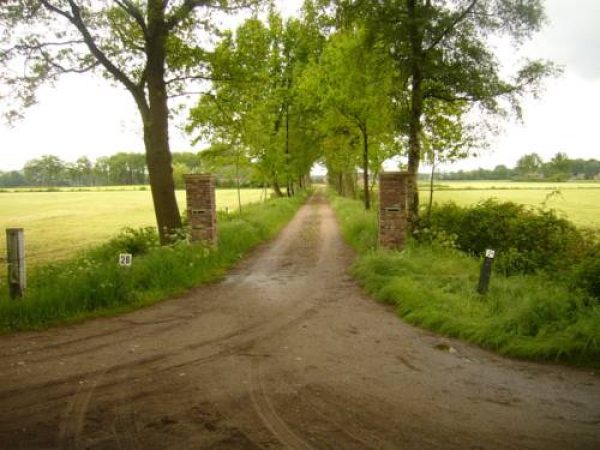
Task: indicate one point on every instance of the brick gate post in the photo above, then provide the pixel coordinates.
(392, 209)
(201, 207)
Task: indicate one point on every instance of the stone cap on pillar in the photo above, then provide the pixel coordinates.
(393, 175)
(198, 177)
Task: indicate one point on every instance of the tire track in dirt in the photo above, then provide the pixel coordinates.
(72, 423)
(269, 416)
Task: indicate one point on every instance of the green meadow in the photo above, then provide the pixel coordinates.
(59, 224)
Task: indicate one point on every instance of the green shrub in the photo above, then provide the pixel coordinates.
(586, 274)
(135, 241)
(525, 239)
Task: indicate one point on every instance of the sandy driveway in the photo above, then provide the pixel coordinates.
(286, 352)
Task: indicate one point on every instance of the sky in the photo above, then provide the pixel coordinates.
(86, 115)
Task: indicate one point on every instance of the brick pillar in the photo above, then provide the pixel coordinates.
(392, 209)
(201, 207)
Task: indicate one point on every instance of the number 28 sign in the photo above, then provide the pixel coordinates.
(125, 259)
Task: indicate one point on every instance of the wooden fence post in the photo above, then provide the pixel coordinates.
(486, 272)
(15, 247)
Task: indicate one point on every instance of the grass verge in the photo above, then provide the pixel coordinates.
(93, 284)
(527, 316)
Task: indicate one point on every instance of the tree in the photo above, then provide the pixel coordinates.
(127, 168)
(240, 68)
(253, 105)
(501, 172)
(442, 53)
(84, 171)
(185, 163)
(142, 45)
(48, 170)
(102, 171)
(14, 178)
(529, 166)
(351, 83)
(229, 155)
(558, 168)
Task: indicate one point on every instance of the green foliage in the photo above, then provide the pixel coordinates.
(525, 239)
(586, 274)
(442, 55)
(529, 166)
(254, 110)
(94, 284)
(431, 285)
(137, 241)
(350, 86)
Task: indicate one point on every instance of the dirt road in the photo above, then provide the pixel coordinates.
(286, 352)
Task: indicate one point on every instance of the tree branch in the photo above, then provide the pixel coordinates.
(184, 11)
(77, 21)
(131, 9)
(197, 77)
(63, 69)
(459, 18)
(50, 7)
(42, 45)
(188, 6)
(185, 94)
(449, 98)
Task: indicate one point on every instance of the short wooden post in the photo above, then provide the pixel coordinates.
(486, 272)
(15, 246)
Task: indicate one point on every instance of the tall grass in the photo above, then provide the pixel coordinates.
(526, 316)
(93, 284)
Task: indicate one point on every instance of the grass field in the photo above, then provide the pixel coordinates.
(577, 201)
(58, 224)
(92, 284)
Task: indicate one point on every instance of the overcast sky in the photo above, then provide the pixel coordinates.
(85, 115)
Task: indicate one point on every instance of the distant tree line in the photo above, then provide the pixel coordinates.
(51, 171)
(531, 167)
(120, 169)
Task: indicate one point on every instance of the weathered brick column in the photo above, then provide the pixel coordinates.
(392, 209)
(202, 207)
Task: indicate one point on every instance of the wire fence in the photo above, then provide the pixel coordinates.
(51, 254)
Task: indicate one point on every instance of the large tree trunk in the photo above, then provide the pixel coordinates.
(416, 111)
(366, 167)
(277, 187)
(349, 181)
(430, 205)
(156, 127)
